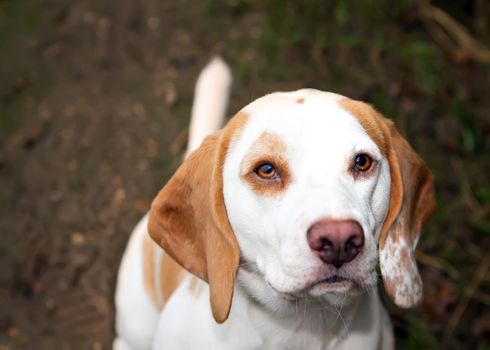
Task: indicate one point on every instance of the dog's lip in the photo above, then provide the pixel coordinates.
(334, 280)
(331, 279)
(330, 283)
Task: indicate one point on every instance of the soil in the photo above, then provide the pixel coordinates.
(95, 99)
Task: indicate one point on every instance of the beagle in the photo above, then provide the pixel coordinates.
(273, 228)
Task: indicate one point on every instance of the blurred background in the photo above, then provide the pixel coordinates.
(95, 100)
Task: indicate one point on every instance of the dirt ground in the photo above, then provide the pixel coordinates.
(95, 101)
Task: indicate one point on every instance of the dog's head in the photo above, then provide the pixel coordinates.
(306, 187)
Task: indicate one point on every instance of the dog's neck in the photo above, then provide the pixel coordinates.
(316, 316)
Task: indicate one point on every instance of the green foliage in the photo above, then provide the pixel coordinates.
(420, 58)
(385, 103)
(471, 138)
(419, 336)
(316, 24)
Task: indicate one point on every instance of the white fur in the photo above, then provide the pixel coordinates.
(274, 305)
(136, 316)
(409, 286)
(210, 101)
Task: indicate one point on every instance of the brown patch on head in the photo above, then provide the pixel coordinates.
(368, 117)
(300, 100)
(268, 148)
(188, 218)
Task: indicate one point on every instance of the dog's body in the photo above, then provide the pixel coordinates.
(292, 200)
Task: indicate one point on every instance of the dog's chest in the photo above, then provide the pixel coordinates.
(302, 328)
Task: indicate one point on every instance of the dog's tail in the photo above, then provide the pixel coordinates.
(211, 96)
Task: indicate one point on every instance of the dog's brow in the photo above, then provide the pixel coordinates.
(269, 147)
(366, 116)
(270, 142)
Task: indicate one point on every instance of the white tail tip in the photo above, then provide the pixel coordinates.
(211, 97)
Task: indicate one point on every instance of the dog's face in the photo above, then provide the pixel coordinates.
(307, 188)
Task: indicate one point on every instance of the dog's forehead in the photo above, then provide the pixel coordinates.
(275, 101)
(307, 118)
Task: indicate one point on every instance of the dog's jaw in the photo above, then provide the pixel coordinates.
(324, 293)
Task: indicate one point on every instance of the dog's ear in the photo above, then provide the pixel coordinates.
(412, 203)
(188, 219)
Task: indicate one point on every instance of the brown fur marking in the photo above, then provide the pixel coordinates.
(171, 274)
(366, 115)
(268, 148)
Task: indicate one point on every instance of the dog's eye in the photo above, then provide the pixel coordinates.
(362, 162)
(266, 171)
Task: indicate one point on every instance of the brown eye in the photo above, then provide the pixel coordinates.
(266, 171)
(362, 162)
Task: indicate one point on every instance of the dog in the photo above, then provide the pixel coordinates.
(272, 229)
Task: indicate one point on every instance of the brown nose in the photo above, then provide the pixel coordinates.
(336, 242)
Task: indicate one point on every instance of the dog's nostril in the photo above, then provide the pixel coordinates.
(350, 251)
(355, 241)
(325, 243)
(349, 245)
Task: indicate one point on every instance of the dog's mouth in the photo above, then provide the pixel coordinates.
(327, 282)
(333, 283)
(338, 282)
(331, 279)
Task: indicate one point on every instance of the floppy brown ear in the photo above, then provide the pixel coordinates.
(188, 220)
(412, 203)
